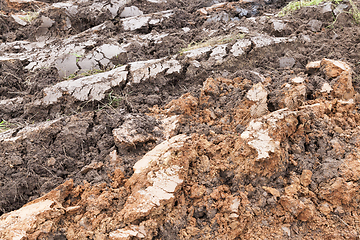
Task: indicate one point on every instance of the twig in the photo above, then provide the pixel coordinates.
(19, 93)
(64, 151)
(47, 170)
(342, 220)
(10, 74)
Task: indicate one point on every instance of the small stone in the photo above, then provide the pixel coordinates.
(280, 28)
(16, 160)
(286, 230)
(205, 164)
(305, 178)
(315, 25)
(287, 62)
(220, 17)
(186, 29)
(170, 126)
(306, 215)
(129, 134)
(30, 66)
(235, 205)
(294, 206)
(68, 24)
(242, 12)
(210, 86)
(338, 192)
(257, 93)
(87, 64)
(272, 191)
(340, 8)
(325, 208)
(339, 210)
(278, 25)
(271, 201)
(128, 233)
(51, 161)
(306, 38)
(326, 8)
(211, 213)
(257, 211)
(311, 66)
(292, 189)
(158, 153)
(326, 88)
(197, 191)
(343, 88)
(234, 225)
(338, 129)
(156, 190)
(297, 80)
(47, 22)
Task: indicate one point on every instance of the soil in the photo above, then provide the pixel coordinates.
(82, 153)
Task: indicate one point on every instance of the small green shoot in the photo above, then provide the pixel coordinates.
(355, 12)
(4, 126)
(78, 56)
(296, 5)
(84, 74)
(29, 17)
(114, 99)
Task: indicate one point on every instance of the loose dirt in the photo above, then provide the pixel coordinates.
(182, 120)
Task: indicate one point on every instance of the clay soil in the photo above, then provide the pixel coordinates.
(72, 146)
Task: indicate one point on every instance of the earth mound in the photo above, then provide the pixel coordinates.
(179, 120)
